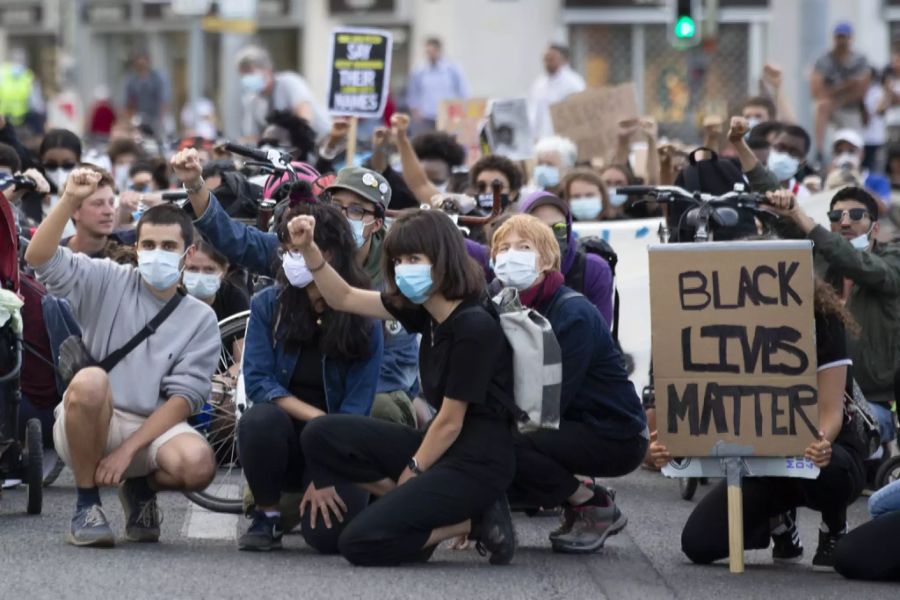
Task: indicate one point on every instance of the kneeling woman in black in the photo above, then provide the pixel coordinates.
(770, 502)
(301, 361)
(451, 480)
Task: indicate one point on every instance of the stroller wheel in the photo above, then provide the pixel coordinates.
(688, 487)
(34, 466)
(889, 472)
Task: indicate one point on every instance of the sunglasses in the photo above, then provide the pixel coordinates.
(856, 214)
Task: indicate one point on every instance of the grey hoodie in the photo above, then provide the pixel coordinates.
(112, 303)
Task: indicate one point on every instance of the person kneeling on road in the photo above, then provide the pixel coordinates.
(129, 426)
(602, 430)
(303, 360)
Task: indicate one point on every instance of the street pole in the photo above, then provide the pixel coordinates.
(196, 69)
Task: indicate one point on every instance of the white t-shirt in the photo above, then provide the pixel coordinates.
(290, 89)
(875, 133)
(550, 89)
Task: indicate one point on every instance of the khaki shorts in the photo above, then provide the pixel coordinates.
(121, 426)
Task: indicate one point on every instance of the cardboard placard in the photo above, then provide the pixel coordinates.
(509, 129)
(590, 118)
(734, 350)
(360, 72)
(463, 119)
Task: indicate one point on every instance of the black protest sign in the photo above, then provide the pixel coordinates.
(360, 67)
(734, 355)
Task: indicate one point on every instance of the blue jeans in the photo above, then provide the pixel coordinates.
(885, 500)
(885, 419)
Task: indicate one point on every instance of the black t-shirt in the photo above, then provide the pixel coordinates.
(465, 358)
(831, 351)
(307, 381)
(230, 300)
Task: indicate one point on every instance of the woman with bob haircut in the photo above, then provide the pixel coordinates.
(451, 480)
(602, 430)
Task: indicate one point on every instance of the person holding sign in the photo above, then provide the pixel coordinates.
(602, 430)
(450, 481)
(866, 273)
(836, 452)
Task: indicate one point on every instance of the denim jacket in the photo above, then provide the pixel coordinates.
(257, 251)
(268, 366)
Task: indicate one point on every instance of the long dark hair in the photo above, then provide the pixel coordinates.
(343, 335)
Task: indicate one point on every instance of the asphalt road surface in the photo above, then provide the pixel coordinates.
(197, 558)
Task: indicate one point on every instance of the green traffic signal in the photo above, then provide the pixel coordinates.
(685, 27)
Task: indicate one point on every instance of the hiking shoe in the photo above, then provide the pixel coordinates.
(495, 533)
(90, 528)
(824, 558)
(142, 515)
(593, 524)
(786, 545)
(566, 522)
(264, 533)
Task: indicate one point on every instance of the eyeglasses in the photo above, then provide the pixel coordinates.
(52, 166)
(354, 213)
(560, 230)
(856, 215)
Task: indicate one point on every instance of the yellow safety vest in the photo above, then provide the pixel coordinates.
(15, 93)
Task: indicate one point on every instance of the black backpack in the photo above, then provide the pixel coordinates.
(709, 176)
(575, 276)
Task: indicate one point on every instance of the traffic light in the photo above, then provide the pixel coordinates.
(685, 27)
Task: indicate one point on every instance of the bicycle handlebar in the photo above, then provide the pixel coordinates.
(496, 209)
(670, 193)
(20, 181)
(174, 196)
(278, 159)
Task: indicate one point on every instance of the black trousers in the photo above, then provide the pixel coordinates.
(871, 551)
(705, 535)
(273, 463)
(395, 528)
(548, 460)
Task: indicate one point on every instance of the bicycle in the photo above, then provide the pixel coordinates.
(706, 215)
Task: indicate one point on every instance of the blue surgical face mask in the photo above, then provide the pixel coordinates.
(359, 235)
(546, 176)
(617, 199)
(413, 281)
(782, 165)
(253, 82)
(586, 209)
(201, 285)
(159, 268)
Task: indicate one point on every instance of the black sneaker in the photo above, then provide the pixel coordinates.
(90, 528)
(786, 545)
(593, 524)
(264, 533)
(142, 514)
(494, 533)
(824, 558)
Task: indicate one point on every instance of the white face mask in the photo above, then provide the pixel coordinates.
(782, 165)
(201, 285)
(847, 159)
(752, 122)
(58, 177)
(516, 268)
(861, 242)
(253, 83)
(159, 268)
(295, 269)
(120, 174)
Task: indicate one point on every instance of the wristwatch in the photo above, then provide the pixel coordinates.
(413, 465)
(195, 189)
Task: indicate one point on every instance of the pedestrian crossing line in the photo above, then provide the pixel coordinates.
(203, 524)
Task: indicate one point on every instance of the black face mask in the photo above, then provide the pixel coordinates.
(563, 245)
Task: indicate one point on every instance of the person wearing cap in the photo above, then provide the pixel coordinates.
(362, 196)
(848, 150)
(866, 273)
(839, 83)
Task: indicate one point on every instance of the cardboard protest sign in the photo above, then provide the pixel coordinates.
(590, 118)
(734, 351)
(509, 129)
(463, 119)
(360, 72)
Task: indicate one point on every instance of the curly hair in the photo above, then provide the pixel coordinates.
(494, 162)
(438, 145)
(303, 136)
(827, 302)
(344, 335)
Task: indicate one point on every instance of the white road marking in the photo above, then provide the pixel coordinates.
(200, 523)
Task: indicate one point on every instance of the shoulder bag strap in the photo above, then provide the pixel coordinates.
(108, 363)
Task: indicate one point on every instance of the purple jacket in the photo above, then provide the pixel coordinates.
(598, 280)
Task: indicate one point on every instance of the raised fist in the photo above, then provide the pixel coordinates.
(81, 184)
(186, 165)
(739, 128)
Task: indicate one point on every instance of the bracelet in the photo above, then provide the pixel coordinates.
(194, 190)
(319, 268)
(413, 466)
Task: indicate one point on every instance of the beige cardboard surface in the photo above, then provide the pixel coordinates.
(734, 354)
(464, 119)
(590, 118)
